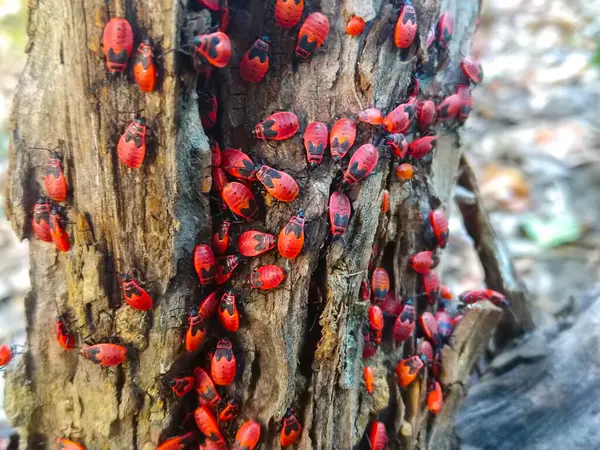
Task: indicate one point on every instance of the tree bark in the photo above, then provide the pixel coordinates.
(291, 350)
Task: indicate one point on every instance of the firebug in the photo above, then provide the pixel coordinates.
(177, 442)
(312, 34)
(208, 306)
(385, 201)
(428, 326)
(279, 184)
(445, 30)
(58, 231)
(405, 323)
(372, 116)
(431, 285)
(237, 163)
(408, 369)
(253, 243)
(223, 364)
(224, 267)
(117, 41)
(398, 143)
(255, 62)
(316, 138)
(207, 392)
(207, 423)
(419, 148)
(291, 237)
(267, 277)
(41, 220)
(67, 444)
(231, 409)
(65, 337)
(181, 386)
(363, 162)
(472, 69)
(247, 436)
(135, 296)
(215, 48)
(378, 437)
(288, 12)
(204, 263)
(380, 284)
(376, 323)
(399, 119)
(54, 179)
(291, 429)
(144, 69)
(341, 138)
(131, 148)
(196, 330)
(426, 114)
(228, 312)
(339, 213)
(278, 126)
(406, 26)
(355, 26)
(435, 400)
(7, 353)
(423, 262)
(437, 227)
(105, 354)
(448, 108)
(369, 377)
(220, 240)
(240, 200)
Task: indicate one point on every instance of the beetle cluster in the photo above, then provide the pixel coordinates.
(235, 179)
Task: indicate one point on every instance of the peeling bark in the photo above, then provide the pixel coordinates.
(291, 351)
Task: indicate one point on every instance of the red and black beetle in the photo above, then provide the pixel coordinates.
(215, 48)
(144, 69)
(58, 230)
(288, 12)
(135, 296)
(223, 364)
(341, 138)
(267, 277)
(363, 162)
(54, 179)
(312, 34)
(279, 184)
(339, 213)
(278, 126)
(291, 429)
(316, 138)
(253, 243)
(117, 41)
(41, 220)
(132, 144)
(406, 26)
(255, 62)
(291, 237)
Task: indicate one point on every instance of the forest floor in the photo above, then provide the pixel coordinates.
(533, 139)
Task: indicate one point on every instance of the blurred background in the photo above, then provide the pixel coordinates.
(14, 260)
(533, 139)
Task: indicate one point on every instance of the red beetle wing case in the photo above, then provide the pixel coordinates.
(288, 12)
(255, 61)
(312, 34)
(117, 41)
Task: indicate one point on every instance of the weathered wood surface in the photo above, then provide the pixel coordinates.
(147, 222)
(540, 395)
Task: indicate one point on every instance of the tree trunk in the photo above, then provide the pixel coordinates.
(291, 349)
